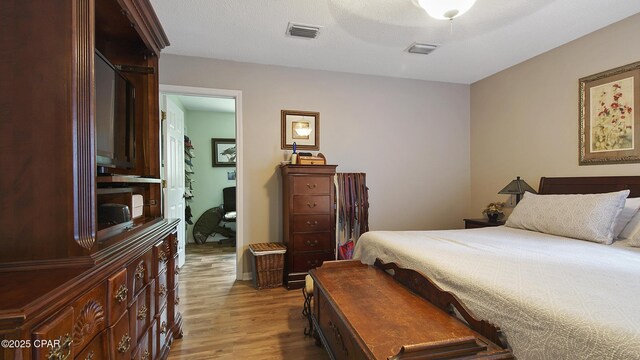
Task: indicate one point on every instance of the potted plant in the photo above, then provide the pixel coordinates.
(494, 211)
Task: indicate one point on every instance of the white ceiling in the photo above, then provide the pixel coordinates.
(371, 36)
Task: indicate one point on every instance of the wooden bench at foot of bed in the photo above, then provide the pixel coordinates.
(363, 312)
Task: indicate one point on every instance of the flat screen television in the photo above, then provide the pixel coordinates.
(115, 117)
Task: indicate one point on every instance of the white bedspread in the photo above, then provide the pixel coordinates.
(553, 297)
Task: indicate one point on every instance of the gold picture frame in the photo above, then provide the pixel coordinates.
(609, 127)
(301, 127)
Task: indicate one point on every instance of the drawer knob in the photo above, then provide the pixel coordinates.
(312, 264)
(314, 223)
(162, 256)
(312, 186)
(63, 350)
(90, 356)
(140, 271)
(163, 290)
(124, 343)
(121, 294)
(311, 243)
(142, 313)
(312, 205)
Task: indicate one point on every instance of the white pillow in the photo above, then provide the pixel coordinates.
(588, 217)
(630, 209)
(632, 227)
(635, 241)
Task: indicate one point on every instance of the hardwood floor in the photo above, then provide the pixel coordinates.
(228, 319)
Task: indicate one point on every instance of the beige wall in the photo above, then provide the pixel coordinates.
(410, 137)
(524, 120)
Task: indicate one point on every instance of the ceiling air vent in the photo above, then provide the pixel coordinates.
(303, 31)
(424, 49)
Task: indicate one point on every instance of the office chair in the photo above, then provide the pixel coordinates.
(229, 208)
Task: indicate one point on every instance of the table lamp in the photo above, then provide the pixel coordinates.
(517, 187)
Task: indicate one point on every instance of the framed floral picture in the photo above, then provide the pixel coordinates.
(609, 126)
(300, 127)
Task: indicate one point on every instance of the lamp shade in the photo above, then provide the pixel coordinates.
(517, 187)
(446, 9)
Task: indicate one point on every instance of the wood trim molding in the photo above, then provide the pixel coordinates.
(142, 13)
(35, 265)
(83, 133)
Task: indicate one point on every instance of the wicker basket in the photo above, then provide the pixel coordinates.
(268, 264)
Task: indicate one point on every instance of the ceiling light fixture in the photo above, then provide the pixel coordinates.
(446, 9)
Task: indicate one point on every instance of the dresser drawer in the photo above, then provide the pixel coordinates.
(145, 348)
(339, 340)
(162, 290)
(311, 204)
(140, 272)
(142, 312)
(59, 329)
(96, 350)
(120, 339)
(309, 185)
(174, 315)
(311, 223)
(306, 262)
(89, 316)
(163, 330)
(153, 338)
(161, 255)
(117, 296)
(172, 281)
(174, 244)
(312, 241)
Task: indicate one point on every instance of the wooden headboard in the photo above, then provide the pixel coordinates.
(589, 185)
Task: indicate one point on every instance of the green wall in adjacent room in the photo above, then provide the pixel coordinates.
(209, 181)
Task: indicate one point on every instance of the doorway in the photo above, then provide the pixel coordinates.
(227, 173)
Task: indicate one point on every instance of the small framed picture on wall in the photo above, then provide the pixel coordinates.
(223, 152)
(300, 127)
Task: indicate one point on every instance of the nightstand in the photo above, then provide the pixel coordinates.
(480, 223)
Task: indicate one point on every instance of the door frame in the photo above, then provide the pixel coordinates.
(237, 95)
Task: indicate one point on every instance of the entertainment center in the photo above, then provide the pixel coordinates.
(88, 266)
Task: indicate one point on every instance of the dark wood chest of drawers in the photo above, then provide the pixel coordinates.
(308, 218)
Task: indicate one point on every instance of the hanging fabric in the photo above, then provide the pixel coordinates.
(352, 217)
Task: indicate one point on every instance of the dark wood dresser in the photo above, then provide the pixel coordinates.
(361, 312)
(309, 219)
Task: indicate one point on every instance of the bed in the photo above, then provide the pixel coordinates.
(553, 297)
